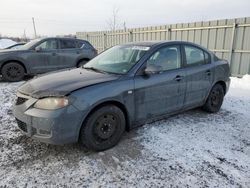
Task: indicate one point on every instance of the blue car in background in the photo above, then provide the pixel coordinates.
(44, 55)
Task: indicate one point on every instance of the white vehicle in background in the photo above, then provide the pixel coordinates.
(5, 43)
(15, 46)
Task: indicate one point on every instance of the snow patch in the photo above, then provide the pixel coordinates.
(192, 149)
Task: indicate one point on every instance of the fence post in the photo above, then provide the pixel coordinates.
(131, 36)
(232, 46)
(87, 37)
(169, 33)
(104, 41)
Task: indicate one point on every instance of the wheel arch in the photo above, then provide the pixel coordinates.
(14, 61)
(105, 103)
(223, 84)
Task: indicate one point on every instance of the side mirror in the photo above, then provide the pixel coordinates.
(38, 49)
(152, 69)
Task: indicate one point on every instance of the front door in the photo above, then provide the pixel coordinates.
(44, 57)
(163, 92)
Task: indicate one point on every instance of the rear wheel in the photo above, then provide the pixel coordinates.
(103, 128)
(13, 72)
(215, 99)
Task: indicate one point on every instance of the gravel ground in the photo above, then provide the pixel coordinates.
(192, 149)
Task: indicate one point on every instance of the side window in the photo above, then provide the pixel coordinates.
(194, 55)
(83, 44)
(168, 58)
(68, 44)
(50, 44)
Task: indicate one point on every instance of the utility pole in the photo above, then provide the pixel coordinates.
(24, 35)
(124, 26)
(34, 26)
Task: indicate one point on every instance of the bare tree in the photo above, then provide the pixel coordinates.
(113, 22)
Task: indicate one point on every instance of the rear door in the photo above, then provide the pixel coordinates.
(68, 53)
(161, 93)
(199, 74)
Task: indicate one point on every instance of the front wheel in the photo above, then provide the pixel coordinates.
(103, 128)
(215, 99)
(13, 72)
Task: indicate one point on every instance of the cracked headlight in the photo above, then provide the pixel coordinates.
(52, 103)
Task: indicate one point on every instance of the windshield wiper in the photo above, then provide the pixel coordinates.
(95, 69)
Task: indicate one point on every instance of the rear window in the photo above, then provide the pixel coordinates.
(83, 44)
(196, 56)
(216, 58)
(68, 44)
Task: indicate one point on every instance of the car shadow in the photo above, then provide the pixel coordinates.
(32, 151)
(128, 149)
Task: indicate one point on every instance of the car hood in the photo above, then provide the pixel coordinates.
(63, 82)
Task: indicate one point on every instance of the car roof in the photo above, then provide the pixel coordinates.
(156, 43)
(153, 43)
(71, 38)
(144, 43)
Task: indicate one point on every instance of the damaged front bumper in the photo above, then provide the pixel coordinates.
(60, 126)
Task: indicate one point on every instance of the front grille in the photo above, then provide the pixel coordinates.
(20, 100)
(22, 125)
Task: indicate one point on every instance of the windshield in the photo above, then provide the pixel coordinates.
(28, 45)
(117, 60)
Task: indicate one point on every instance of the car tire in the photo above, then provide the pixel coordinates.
(103, 128)
(13, 72)
(215, 99)
(81, 63)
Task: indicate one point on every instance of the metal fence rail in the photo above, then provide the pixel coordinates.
(229, 38)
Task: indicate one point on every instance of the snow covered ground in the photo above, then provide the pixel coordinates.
(193, 149)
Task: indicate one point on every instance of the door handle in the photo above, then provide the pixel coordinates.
(54, 53)
(178, 78)
(77, 52)
(208, 72)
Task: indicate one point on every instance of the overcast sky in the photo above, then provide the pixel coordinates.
(55, 17)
